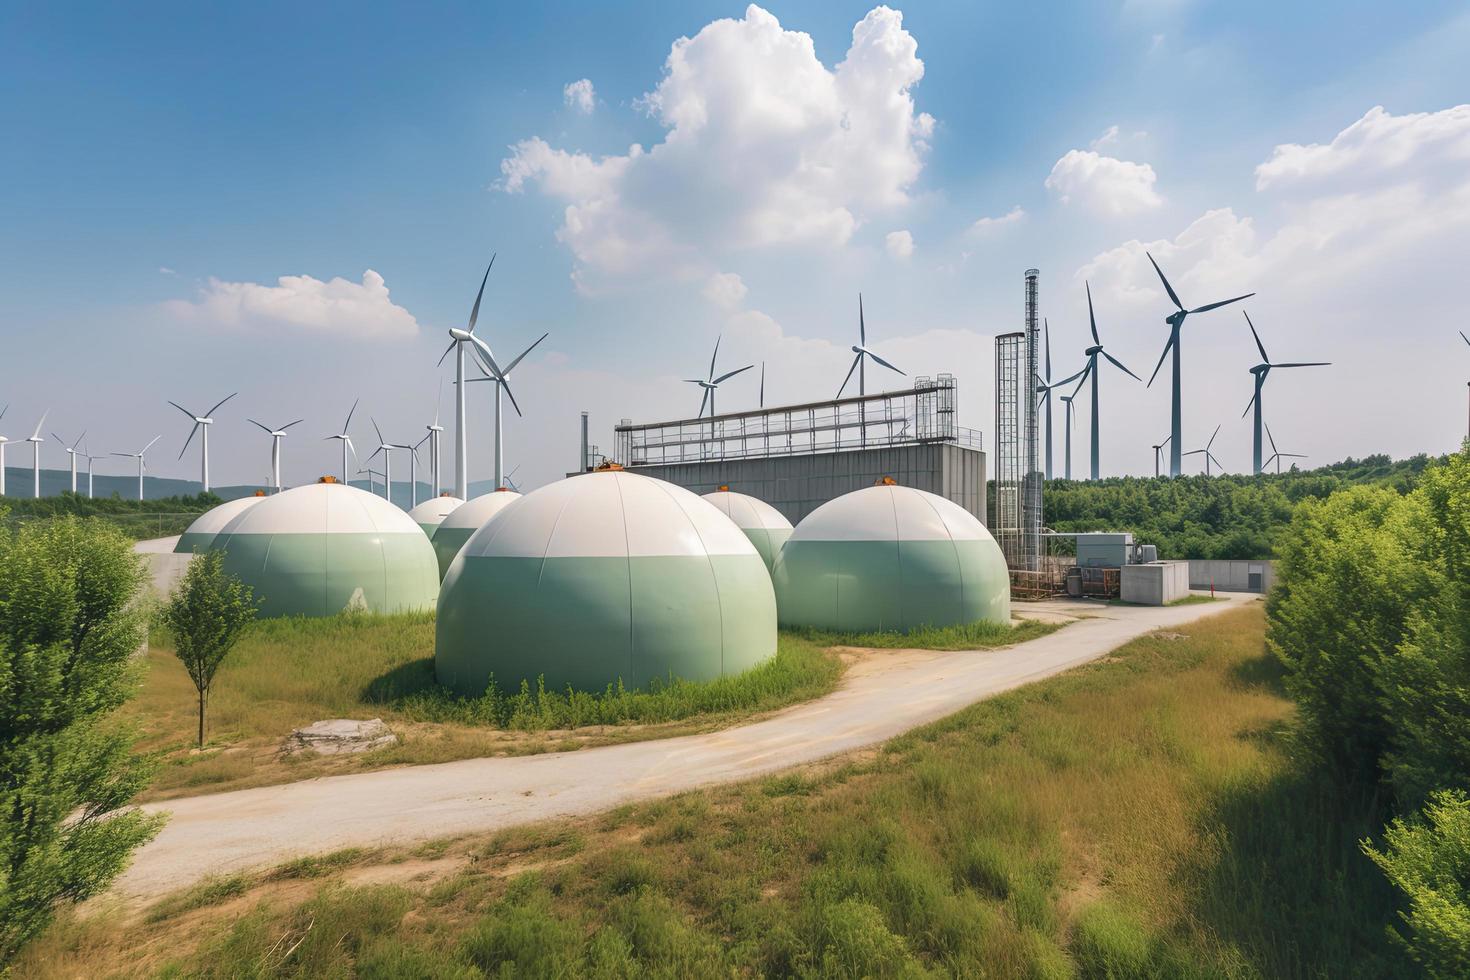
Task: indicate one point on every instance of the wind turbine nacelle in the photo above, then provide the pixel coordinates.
(1094, 350)
(1260, 369)
(1175, 319)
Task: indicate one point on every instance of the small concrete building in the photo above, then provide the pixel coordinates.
(890, 558)
(428, 514)
(325, 548)
(1154, 583)
(604, 578)
(763, 524)
(201, 533)
(464, 521)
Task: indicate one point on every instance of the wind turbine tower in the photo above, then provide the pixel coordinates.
(90, 460)
(72, 452)
(1175, 321)
(434, 430)
(1209, 456)
(3, 441)
(711, 384)
(1261, 371)
(458, 340)
(1156, 454)
(35, 440)
(1091, 370)
(862, 353)
(1068, 423)
(1277, 455)
(346, 440)
(142, 465)
(276, 436)
(201, 422)
(1044, 386)
(386, 448)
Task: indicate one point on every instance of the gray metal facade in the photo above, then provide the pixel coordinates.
(798, 485)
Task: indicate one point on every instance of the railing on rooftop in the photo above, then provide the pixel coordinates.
(921, 415)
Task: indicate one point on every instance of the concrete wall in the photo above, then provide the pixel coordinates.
(798, 485)
(1155, 583)
(1231, 576)
(165, 569)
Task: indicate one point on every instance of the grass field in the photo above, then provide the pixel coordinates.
(289, 673)
(1140, 816)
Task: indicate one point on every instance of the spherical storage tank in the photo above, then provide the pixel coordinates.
(603, 577)
(464, 521)
(199, 534)
(319, 549)
(431, 513)
(765, 526)
(890, 558)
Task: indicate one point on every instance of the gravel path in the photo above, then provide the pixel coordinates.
(229, 832)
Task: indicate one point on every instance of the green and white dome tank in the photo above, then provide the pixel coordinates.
(431, 513)
(765, 526)
(464, 521)
(890, 558)
(201, 533)
(599, 578)
(320, 549)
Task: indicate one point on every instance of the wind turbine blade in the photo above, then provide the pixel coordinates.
(1259, 346)
(730, 374)
(1293, 455)
(129, 455)
(1192, 452)
(475, 313)
(1272, 439)
(1462, 337)
(512, 365)
(487, 359)
(379, 431)
(289, 424)
(375, 454)
(1224, 302)
(189, 440)
(694, 381)
(7, 407)
(438, 400)
(1216, 461)
(884, 363)
(1067, 381)
(1250, 404)
(511, 395)
(422, 441)
(446, 353)
(1046, 335)
(862, 324)
(150, 444)
(763, 385)
(1212, 438)
(1119, 364)
(57, 437)
(183, 409)
(1162, 278)
(703, 401)
(1166, 441)
(1091, 319)
(1303, 364)
(210, 413)
(1082, 375)
(1161, 361)
(849, 375)
(711, 376)
(262, 428)
(37, 433)
(348, 423)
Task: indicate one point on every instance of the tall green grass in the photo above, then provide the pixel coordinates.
(981, 635)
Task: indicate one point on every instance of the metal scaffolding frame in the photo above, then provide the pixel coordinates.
(1018, 476)
(917, 416)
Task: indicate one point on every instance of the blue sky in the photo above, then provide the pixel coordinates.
(165, 166)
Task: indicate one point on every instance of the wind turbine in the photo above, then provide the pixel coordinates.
(861, 351)
(1260, 371)
(1091, 371)
(35, 440)
(1045, 385)
(72, 452)
(346, 440)
(1156, 454)
(501, 377)
(509, 481)
(458, 339)
(434, 431)
(276, 436)
(1175, 321)
(3, 441)
(386, 448)
(372, 482)
(90, 460)
(141, 465)
(1209, 456)
(711, 384)
(413, 470)
(1277, 455)
(201, 422)
(1067, 400)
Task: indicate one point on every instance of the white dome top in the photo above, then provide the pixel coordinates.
(434, 510)
(748, 512)
(611, 514)
(213, 521)
(472, 513)
(323, 508)
(890, 513)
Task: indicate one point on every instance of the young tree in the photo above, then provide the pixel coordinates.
(206, 616)
(69, 627)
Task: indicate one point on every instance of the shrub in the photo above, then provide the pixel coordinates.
(206, 615)
(69, 626)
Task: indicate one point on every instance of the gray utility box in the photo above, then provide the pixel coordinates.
(1156, 583)
(1097, 549)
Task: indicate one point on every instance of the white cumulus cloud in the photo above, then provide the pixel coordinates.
(1105, 185)
(338, 305)
(725, 289)
(900, 244)
(764, 145)
(580, 95)
(988, 223)
(1376, 145)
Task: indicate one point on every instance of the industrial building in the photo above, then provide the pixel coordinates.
(608, 578)
(798, 457)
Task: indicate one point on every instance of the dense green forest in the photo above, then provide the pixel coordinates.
(154, 518)
(1225, 516)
